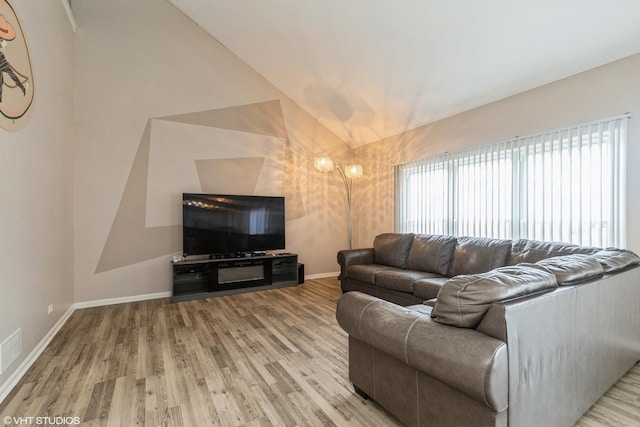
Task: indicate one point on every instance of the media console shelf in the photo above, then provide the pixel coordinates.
(214, 277)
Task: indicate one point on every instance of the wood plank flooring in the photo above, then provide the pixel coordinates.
(270, 358)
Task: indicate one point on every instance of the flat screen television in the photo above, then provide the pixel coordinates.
(229, 225)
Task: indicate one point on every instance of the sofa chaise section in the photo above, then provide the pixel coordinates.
(536, 343)
(421, 371)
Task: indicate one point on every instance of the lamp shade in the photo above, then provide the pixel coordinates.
(353, 171)
(323, 163)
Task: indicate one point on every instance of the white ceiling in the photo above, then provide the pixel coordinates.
(368, 69)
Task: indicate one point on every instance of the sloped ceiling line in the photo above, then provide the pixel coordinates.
(368, 70)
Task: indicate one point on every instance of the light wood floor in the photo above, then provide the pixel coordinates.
(271, 358)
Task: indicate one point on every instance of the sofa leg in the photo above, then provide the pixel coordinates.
(361, 392)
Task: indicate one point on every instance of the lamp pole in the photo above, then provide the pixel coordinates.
(347, 186)
(347, 173)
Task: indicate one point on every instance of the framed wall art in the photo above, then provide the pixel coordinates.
(16, 76)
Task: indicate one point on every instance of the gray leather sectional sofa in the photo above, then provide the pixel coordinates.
(451, 331)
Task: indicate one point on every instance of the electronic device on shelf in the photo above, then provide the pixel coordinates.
(220, 224)
(226, 238)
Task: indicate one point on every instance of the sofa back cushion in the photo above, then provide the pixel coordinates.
(431, 253)
(533, 251)
(613, 259)
(478, 254)
(463, 300)
(570, 269)
(392, 249)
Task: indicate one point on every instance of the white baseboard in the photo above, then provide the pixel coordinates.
(17, 375)
(120, 300)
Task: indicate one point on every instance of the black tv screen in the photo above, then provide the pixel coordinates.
(218, 224)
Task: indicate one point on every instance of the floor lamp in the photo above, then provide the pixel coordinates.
(347, 173)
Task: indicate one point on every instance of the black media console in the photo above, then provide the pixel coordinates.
(213, 277)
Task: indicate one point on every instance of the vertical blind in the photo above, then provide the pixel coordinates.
(565, 185)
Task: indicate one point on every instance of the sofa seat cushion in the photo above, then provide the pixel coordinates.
(463, 300)
(478, 254)
(366, 272)
(532, 251)
(400, 280)
(421, 308)
(431, 253)
(392, 249)
(570, 269)
(613, 260)
(429, 288)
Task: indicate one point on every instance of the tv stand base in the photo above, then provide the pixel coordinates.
(216, 277)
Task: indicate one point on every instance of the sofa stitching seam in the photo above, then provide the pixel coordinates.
(361, 316)
(493, 253)
(438, 257)
(406, 340)
(461, 289)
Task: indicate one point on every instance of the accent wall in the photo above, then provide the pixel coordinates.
(162, 108)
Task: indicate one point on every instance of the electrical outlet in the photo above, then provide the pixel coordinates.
(50, 308)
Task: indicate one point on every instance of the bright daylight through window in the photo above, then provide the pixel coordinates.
(565, 185)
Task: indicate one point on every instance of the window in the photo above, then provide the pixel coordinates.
(565, 185)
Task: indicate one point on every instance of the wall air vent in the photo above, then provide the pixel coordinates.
(10, 350)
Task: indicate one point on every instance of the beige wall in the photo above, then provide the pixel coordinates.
(161, 109)
(36, 184)
(603, 92)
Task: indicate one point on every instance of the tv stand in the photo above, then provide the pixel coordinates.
(225, 276)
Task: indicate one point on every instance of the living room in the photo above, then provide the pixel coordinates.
(125, 106)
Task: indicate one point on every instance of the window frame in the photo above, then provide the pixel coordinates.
(523, 163)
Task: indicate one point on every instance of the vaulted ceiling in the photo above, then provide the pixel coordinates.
(368, 69)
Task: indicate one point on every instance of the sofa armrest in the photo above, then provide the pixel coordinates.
(465, 359)
(347, 257)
